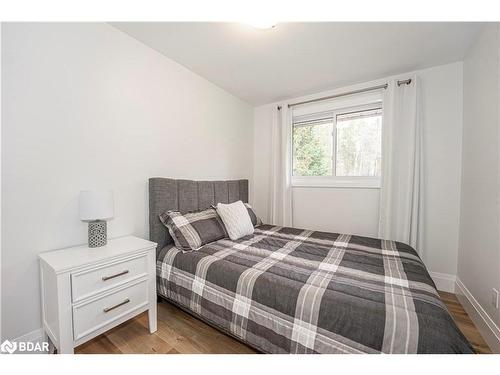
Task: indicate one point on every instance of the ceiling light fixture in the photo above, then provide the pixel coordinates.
(262, 24)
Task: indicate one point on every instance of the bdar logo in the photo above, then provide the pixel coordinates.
(8, 347)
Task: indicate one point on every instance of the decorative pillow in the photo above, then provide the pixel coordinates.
(255, 219)
(253, 216)
(192, 230)
(236, 218)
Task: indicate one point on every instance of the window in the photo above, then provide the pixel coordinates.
(338, 148)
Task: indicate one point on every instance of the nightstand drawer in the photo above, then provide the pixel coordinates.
(91, 316)
(87, 283)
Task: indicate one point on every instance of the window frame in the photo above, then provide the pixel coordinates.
(367, 182)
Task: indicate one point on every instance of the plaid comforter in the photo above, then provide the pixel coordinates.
(287, 290)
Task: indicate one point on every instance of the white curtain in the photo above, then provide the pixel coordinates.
(281, 191)
(401, 192)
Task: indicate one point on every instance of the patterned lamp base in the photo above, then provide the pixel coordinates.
(97, 233)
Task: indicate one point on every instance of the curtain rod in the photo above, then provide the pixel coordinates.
(384, 86)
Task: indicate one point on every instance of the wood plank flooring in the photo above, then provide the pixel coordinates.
(179, 332)
(465, 323)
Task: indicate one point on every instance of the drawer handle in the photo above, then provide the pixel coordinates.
(104, 278)
(108, 309)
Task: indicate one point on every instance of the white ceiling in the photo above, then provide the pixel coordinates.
(263, 66)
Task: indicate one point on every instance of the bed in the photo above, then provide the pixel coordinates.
(291, 290)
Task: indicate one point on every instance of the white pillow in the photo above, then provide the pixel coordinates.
(236, 219)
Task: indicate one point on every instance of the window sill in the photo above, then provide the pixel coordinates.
(344, 183)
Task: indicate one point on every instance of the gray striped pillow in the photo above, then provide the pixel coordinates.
(192, 230)
(253, 216)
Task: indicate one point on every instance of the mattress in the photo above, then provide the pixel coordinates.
(288, 290)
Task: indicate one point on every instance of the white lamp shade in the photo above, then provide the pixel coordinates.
(96, 205)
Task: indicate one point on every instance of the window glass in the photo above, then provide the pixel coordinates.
(312, 148)
(358, 143)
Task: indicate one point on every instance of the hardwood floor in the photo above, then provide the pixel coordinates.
(465, 323)
(179, 332)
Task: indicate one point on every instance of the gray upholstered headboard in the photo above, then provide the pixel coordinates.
(186, 195)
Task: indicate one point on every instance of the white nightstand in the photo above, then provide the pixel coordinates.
(86, 291)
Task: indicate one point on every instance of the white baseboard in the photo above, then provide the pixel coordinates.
(485, 325)
(34, 336)
(444, 282)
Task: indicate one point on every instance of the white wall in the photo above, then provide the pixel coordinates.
(341, 210)
(85, 106)
(479, 254)
(442, 111)
(356, 210)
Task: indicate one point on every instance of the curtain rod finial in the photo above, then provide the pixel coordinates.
(404, 82)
